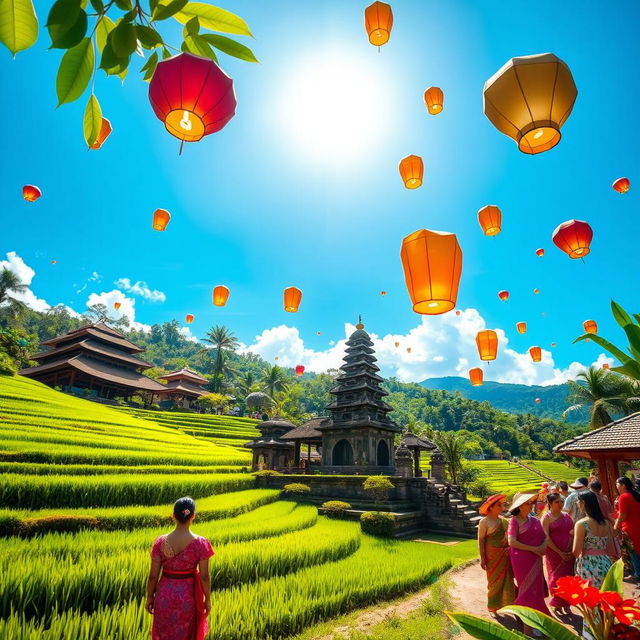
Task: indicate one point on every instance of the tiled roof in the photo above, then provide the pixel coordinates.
(411, 440)
(96, 347)
(99, 331)
(184, 373)
(306, 431)
(621, 434)
(180, 386)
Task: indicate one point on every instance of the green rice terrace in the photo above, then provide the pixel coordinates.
(87, 488)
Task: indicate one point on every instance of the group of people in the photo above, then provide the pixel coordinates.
(559, 533)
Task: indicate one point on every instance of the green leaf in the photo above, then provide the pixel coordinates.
(97, 5)
(92, 120)
(152, 5)
(123, 39)
(214, 18)
(630, 369)
(67, 24)
(125, 5)
(164, 11)
(75, 72)
(620, 315)
(165, 53)
(613, 579)
(199, 46)
(18, 24)
(605, 344)
(110, 62)
(104, 27)
(149, 38)
(483, 629)
(633, 335)
(542, 622)
(192, 27)
(230, 47)
(150, 66)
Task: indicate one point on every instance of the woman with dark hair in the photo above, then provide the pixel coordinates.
(628, 520)
(180, 600)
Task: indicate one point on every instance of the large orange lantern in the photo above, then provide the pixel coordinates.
(490, 219)
(621, 185)
(503, 295)
(573, 237)
(192, 96)
(590, 326)
(161, 219)
(536, 354)
(411, 171)
(299, 370)
(117, 305)
(487, 342)
(432, 263)
(292, 298)
(220, 295)
(521, 327)
(529, 100)
(378, 20)
(539, 252)
(105, 132)
(434, 100)
(30, 192)
(475, 375)
(189, 318)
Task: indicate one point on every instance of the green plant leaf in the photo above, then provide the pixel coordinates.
(633, 335)
(542, 622)
(483, 629)
(199, 46)
(123, 39)
(75, 72)
(605, 344)
(97, 5)
(104, 27)
(92, 120)
(164, 11)
(630, 369)
(214, 18)
(620, 315)
(149, 38)
(18, 24)
(613, 579)
(67, 24)
(150, 65)
(110, 62)
(230, 47)
(192, 27)
(125, 5)
(165, 53)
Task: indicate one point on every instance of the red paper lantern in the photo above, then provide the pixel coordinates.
(105, 132)
(299, 370)
(30, 192)
(192, 96)
(539, 252)
(573, 237)
(189, 318)
(503, 295)
(537, 400)
(590, 326)
(621, 185)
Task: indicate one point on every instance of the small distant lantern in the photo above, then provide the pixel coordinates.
(590, 326)
(434, 100)
(189, 318)
(458, 312)
(537, 400)
(621, 185)
(553, 344)
(521, 327)
(536, 354)
(276, 358)
(105, 132)
(299, 370)
(378, 20)
(529, 100)
(30, 192)
(539, 252)
(490, 219)
(292, 298)
(408, 349)
(573, 237)
(411, 171)
(503, 295)
(536, 291)
(161, 219)
(475, 376)
(220, 295)
(487, 342)
(318, 333)
(383, 293)
(397, 344)
(117, 305)
(606, 365)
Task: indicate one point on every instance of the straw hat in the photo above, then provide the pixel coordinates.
(520, 498)
(490, 502)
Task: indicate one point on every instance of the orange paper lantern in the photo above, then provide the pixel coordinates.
(521, 327)
(458, 312)
(220, 295)
(408, 349)
(189, 318)
(397, 344)
(378, 20)
(117, 305)
(621, 185)
(383, 293)
(30, 192)
(573, 237)
(292, 298)
(54, 262)
(490, 219)
(606, 365)
(590, 326)
(105, 132)
(161, 219)
(475, 375)
(432, 263)
(487, 342)
(503, 295)
(299, 370)
(536, 354)
(536, 291)
(540, 252)
(434, 100)
(411, 171)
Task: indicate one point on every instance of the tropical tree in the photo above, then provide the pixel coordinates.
(10, 283)
(245, 384)
(222, 340)
(274, 379)
(452, 445)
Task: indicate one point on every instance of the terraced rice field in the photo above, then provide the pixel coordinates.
(86, 489)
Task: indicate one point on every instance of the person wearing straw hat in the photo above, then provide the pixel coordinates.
(571, 503)
(528, 543)
(494, 553)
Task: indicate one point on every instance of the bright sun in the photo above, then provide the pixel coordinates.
(335, 106)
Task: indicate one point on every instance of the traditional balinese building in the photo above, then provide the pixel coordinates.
(306, 434)
(182, 388)
(270, 451)
(415, 445)
(96, 360)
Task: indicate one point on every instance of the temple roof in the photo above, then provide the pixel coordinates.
(307, 431)
(268, 443)
(411, 440)
(187, 374)
(97, 330)
(183, 387)
(94, 346)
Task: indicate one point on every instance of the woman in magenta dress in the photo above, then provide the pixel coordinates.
(559, 560)
(180, 598)
(528, 543)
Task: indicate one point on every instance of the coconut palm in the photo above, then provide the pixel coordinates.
(452, 445)
(245, 384)
(10, 283)
(222, 340)
(274, 379)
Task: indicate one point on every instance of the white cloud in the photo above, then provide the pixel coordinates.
(26, 274)
(186, 333)
(127, 307)
(94, 277)
(141, 289)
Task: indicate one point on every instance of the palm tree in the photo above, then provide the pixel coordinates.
(10, 283)
(452, 447)
(245, 385)
(274, 379)
(222, 339)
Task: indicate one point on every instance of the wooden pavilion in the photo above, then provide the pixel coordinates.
(182, 388)
(607, 446)
(269, 450)
(308, 434)
(416, 444)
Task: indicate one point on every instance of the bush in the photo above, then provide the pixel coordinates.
(378, 488)
(377, 523)
(335, 508)
(479, 489)
(7, 365)
(267, 473)
(297, 488)
(468, 475)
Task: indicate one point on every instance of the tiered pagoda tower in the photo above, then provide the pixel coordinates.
(358, 438)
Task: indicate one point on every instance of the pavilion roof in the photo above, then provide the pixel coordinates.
(188, 374)
(306, 431)
(97, 330)
(88, 344)
(411, 440)
(183, 387)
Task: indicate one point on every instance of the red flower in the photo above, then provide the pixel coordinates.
(626, 611)
(573, 589)
(592, 597)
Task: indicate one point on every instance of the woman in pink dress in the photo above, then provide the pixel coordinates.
(559, 560)
(180, 600)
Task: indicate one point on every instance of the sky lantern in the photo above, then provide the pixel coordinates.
(536, 354)
(318, 332)
(54, 262)
(192, 96)
(30, 192)
(432, 263)
(539, 252)
(105, 132)
(299, 370)
(475, 375)
(553, 344)
(189, 318)
(621, 185)
(161, 219)
(487, 342)
(383, 293)
(292, 298)
(458, 312)
(434, 100)
(411, 171)
(573, 237)
(537, 400)
(490, 219)
(529, 100)
(378, 20)
(397, 344)
(521, 327)
(536, 291)
(503, 295)
(408, 349)
(590, 326)
(276, 358)
(220, 295)
(117, 305)
(606, 365)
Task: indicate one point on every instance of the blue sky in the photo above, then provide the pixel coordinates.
(284, 196)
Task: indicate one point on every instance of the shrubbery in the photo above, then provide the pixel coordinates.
(335, 508)
(297, 489)
(378, 488)
(377, 523)
(267, 473)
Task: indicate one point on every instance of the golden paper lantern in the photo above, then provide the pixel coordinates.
(536, 354)
(590, 326)
(189, 318)
(490, 219)
(475, 375)
(378, 20)
(529, 100)
(220, 295)
(503, 295)
(521, 327)
(487, 342)
(411, 171)
(434, 100)
(539, 252)
(432, 263)
(117, 305)
(161, 219)
(292, 298)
